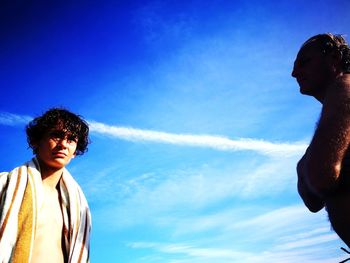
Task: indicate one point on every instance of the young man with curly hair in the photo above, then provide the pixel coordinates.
(322, 70)
(44, 216)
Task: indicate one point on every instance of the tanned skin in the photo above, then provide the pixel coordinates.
(54, 152)
(323, 171)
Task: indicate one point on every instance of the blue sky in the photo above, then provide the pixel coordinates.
(196, 123)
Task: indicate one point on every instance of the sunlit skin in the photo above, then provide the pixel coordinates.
(313, 72)
(323, 170)
(54, 152)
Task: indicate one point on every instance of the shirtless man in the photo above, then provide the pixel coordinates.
(322, 70)
(44, 216)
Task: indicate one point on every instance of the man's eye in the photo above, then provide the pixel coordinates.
(304, 61)
(56, 135)
(72, 139)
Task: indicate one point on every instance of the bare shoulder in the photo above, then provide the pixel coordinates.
(339, 92)
(336, 104)
(335, 117)
(331, 139)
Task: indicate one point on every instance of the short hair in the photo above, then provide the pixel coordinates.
(62, 119)
(327, 43)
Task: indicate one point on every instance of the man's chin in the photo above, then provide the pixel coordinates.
(306, 91)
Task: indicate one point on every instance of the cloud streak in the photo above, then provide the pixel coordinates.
(206, 141)
(290, 241)
(10, 119)
(220, 143)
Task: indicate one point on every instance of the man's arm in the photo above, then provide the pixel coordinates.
(323, 160)
(313, 202)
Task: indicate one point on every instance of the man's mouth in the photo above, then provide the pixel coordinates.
(59, 154)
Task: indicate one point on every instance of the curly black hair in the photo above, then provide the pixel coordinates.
(62, 119)
(329, 42)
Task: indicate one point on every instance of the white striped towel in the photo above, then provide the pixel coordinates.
(21, 194)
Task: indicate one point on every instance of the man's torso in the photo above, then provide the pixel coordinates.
(338, 204)
(47, 245)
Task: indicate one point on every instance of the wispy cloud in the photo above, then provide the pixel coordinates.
(305, 247)
(190, 250)
(220, 143)
(310, 241)
(10, 119)
(184, 252)
(206, 141)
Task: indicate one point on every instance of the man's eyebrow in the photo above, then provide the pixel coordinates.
(56, 131)
(63, 133)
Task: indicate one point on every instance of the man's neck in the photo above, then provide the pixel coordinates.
(320, 97)
(342, 79)
(50, 175)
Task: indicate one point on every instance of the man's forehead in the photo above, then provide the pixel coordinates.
(59, 132)
(60, 129)
(308, 50)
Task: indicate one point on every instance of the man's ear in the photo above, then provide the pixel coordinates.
(334, 59)
(336, 56)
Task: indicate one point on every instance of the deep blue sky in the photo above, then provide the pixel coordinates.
(196, 123)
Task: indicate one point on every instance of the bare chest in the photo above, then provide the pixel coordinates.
(48, 236)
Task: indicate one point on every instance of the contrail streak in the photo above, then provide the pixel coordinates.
(205, 141)
(10, 119)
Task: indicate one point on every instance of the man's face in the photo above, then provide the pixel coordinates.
(56, 149)
(312, 70)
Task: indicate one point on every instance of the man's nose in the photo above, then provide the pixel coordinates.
(295, 72)
(63, 142)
